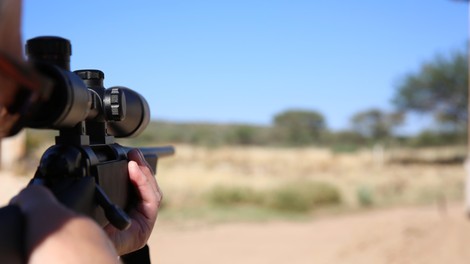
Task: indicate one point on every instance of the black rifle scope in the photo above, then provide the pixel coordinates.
(80, 96)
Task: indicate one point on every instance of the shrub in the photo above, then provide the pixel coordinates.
(364, 196)
(233, 195)
(303, 196)
(299, 196)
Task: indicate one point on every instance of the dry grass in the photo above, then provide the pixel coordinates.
(370, 173)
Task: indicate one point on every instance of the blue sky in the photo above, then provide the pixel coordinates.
(246, 60)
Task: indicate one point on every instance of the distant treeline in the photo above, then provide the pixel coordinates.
(207, 134)
(216, 135)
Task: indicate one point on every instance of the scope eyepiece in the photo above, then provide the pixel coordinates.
(54, 50)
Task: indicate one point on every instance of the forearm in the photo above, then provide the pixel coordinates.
(55, 234)
(79, 240)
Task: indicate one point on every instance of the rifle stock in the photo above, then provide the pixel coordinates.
(94, 180)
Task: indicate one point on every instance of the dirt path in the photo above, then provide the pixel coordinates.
(398, 236)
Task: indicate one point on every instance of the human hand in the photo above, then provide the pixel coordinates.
(55, 234)
(144, 214)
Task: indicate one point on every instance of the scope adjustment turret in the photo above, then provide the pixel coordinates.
(113, 100)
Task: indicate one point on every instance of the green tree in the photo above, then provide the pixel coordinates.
(440, 88)
(375, 124)
(300, 127)
(244, 135)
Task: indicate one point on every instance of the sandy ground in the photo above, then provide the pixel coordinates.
(398, 236)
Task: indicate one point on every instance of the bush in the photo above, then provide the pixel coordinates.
(234, 195)
(435, 138)
(364, 196)
(344, 148)
(303, 196)
(299, 197)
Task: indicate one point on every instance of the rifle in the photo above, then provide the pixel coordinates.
(86, 169)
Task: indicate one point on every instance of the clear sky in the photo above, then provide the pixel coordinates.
(246, 60)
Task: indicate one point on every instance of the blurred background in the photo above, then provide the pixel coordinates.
(305, 131)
